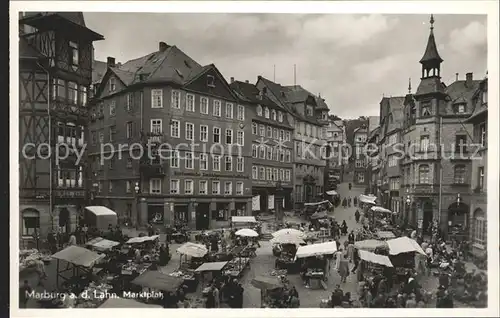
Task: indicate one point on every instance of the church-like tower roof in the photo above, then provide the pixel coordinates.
(431, 53)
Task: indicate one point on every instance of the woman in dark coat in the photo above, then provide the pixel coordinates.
(344, 228)
(356, 216)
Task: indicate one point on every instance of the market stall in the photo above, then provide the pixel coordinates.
(369, 245)
(155, 281)
(311, 207)
(273, 291)
(79, 260)
(238, 263)
(285, 243)
(315, 263)
(100, 217)
(385, 235)
(244, 222)
(401, 252)
(371, 264)
(32, 260)
(100, 244)
(194, 256)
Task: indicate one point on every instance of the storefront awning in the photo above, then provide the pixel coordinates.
(316, 249)
(100, 210)
(142, 239)
(404, 245)
(78, 256)
(102, 244)
(243, 219)
(192, 249)
(375, 258)
(368, 199)
(212, 266)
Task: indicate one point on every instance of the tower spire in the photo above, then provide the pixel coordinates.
(431, 61)
(409, 85)
(432, 22)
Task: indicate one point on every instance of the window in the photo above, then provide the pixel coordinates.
(287, 175)
(128, 186)
(280, 116)
(275, 174)
(155, 186)
(459, 174)
(287, 155)
(359, 163)
(129, 102)
(175, 128)
(275, 133)
(269, 132)
(480, 179)
(73, 93)
(483, 134)
(203, 133)
(393, 139)
(174, 159)
(254, 129)
(157, 98)
(459, 108)
(101, 137)
(229, 163)
(426, 109)
(229, 110)
(254, 151)
(240, 114)
(282, 175)
(112, 108)
(309, 111)
(266, 112)
(484, 97)
(255, 173)
(239, 188)
(239, 164)
(216, 133)
(215, 187)
(156, 126)
(262, 173)
(176, 99)
(189, 131)
(229, 136)
(262, 131)
(228, 188)
(287, 136)
(188, 186)
(74, 53)
(31, 222)
(361, 178)
(269, 174)
(479, 228)
(424, 143)
(424, 174)
(308, 130)
(204, 105)
(112, 133)
(240, 138)
(203, 187)
(190, 102)
(217, 106)
(460, 143)
(83, 95)
(129, 163)
(273, 114)
(393, 161)
(282, 135)
(189, 160)
(269, 153)
(259, 110)
(210, 81)
(174, 187)
(216, 163)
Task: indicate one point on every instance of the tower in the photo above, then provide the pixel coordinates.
(431, 61)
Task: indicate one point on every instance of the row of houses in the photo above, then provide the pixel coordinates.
(165, 138)
(430, 156)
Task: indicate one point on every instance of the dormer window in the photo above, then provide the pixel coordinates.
(264, 90)
(273, 114)
(459, 108)
(484, 97)
(259, 110)
(73, 47)
(112, 84)
(210, 81)
(309, 111)
(266, 113)
(280, 116)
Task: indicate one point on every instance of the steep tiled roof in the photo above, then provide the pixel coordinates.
(300, 94)
(99, 69)
(431, 53)
(459, 90)
(430, 85)
(75, 17)
(26, 51)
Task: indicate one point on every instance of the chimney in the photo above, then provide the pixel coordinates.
(162, 46)
(456, 77)
(111, 61)
(247, 81)
(232, 80)
(468, 79)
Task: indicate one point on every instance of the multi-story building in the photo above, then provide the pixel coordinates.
(336, 138)
(308, 138)
(437, 165)
(374, 163)
(358, 156)
(478, 200)
(391, 119)
(272, 147)
(55, 73)
(196, 166)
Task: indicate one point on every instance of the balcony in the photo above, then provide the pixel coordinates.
(155, 138)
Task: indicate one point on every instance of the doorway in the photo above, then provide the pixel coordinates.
(155, 214)
(64, 220)
(428, 215)
(203, 216)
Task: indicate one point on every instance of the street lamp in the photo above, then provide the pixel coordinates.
(278, 202)
(135, 218)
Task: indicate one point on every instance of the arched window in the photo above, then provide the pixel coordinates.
(424, 174)
(254, 129)
(254, 151)
(479, 228)
(31, 222)
(459, 175)
(273, 114)
(280, 116)
(308, 130)
(255, 173)
(266, 112)
(259, 110)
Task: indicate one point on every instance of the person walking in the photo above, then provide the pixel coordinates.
(356, 216)
(344, 269)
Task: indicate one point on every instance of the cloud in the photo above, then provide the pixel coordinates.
(469, 39)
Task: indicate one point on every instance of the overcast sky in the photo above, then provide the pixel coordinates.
(352, 60)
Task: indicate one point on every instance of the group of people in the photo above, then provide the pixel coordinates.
(348, 202)
(224, 288)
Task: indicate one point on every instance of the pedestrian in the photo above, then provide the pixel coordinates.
(24, 292)
(349, 202)
(344, 228)
(337, 257)
(350, 186)
(411, 302)
(344, 269)
(239, 296)
(216, 294)
(351, 237)
(85, 230)
(356, 260)
(350, 251)
(72, 240)
(355, 201)
(356, 216)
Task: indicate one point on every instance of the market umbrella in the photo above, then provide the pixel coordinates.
(247, 232)
(266, 283)
(290, 232)
(287, 239)
(369, 245)
(192, 249)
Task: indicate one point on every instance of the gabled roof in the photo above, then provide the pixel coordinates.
(301, 94)
(99, 69)
(430, 85)
(459, 90)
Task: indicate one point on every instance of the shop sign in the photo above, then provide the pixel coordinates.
(210, 175)
(69, 193)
